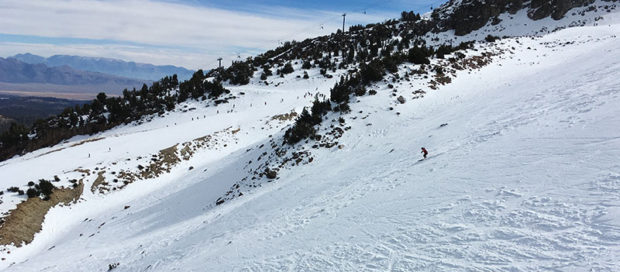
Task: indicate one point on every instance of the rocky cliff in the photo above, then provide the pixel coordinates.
(465, 16)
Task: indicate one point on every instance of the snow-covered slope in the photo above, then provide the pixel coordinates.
(522, 175)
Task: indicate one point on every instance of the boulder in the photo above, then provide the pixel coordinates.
(271, 174)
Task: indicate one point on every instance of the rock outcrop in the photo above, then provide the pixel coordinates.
(465, 16)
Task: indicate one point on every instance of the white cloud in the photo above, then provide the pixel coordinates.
(160, 32)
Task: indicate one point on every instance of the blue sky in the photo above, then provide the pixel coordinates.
(189, 33)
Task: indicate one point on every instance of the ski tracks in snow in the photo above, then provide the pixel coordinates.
(536, 222)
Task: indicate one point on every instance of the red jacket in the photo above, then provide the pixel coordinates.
(424, 151)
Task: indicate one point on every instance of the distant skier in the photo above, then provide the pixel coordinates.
(424, 152)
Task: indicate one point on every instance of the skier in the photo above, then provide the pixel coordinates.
(424, 152)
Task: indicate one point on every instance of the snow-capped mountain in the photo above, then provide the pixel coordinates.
(519, 117)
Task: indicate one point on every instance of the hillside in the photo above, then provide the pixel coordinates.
(5, 123)
(128, 69)
(522, 173)
(26, 110)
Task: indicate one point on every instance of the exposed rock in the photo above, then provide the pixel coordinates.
(465, 16)
(20, 226)
(271, 174)
(540, 9)
(98, 181)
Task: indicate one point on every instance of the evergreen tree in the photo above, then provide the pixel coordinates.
(419, 55)
(372, 71)
(288, 68)
(46, 187)
(302, 129)
(307, 65)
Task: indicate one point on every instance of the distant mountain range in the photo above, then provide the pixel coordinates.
(17, 77)
(109, 66)
(15, 71)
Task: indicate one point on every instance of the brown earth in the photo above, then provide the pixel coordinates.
(26, 219)
(285, 116)
(98, 181)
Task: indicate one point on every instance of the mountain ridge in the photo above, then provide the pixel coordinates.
(15, 71)
(20, 78)
(111, 66)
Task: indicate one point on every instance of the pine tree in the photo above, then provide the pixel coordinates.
(288, 68)
(46, 187)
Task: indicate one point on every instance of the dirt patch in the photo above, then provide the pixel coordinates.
(87, 141)
(166, 160)
(202, 141)
(443, 79)
(285, 117)
(418, 94)
(186, 151)
(83, 171)
(169, 156)
(162, 162)
(25, 221)
(450, 67)
(98, 181)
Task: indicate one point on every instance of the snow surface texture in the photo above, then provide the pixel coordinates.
(525, 177)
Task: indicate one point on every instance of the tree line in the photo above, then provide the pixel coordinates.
(107, 112)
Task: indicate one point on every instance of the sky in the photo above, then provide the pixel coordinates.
(188, 33)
